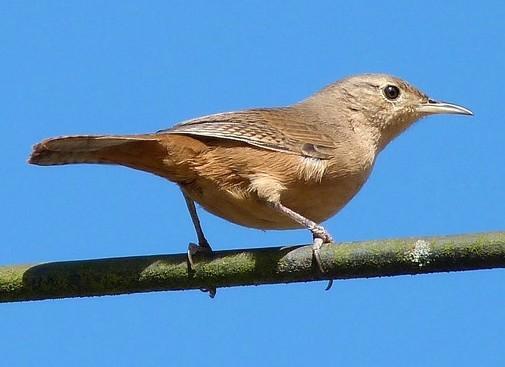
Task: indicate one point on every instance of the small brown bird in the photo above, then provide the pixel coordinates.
(268, 168)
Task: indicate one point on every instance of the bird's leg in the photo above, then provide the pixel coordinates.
(319, 234)
(203, 244)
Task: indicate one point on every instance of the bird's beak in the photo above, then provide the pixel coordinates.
(433, 107)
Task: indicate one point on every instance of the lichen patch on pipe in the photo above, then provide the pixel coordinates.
(420, 254)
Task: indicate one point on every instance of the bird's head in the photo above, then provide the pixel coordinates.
(383, 102)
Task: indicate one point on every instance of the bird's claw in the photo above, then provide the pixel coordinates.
(211, 290)
(316, 247)
(319, 232)
(194, 249)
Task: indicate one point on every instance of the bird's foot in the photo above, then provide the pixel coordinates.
(321, 236)
(193, 249)
(321, 233)
(202, 248)
(210, 290)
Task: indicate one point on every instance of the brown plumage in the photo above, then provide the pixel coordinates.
(276, 168)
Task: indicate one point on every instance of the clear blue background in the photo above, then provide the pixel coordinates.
(131, 66)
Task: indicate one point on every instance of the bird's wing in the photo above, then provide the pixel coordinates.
(281, 130)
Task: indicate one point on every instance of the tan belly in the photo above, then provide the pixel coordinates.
(221, 180)
(314, 201)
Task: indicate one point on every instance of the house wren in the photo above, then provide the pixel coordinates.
(268, 168)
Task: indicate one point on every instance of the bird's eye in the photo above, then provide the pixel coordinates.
(391, 92)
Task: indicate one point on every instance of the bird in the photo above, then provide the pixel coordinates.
(268, 168)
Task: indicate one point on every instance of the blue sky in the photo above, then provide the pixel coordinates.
(131, 67)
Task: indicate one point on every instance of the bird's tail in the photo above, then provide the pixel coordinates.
(144, 152)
